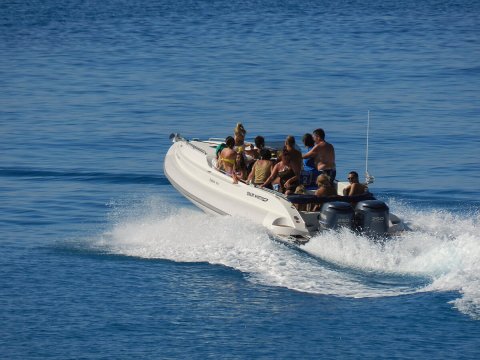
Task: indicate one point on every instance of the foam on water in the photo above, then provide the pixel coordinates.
(441, 254)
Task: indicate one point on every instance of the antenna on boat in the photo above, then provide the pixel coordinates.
(369, 179)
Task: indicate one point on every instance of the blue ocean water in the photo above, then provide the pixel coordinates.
(102, 258)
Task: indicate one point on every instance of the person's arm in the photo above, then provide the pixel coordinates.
(297, 168)
(319, 192)
(290, 181)
(312, 153)
(252, 172)
(234, 173)
(346, 191)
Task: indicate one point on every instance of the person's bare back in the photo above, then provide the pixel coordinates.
(227, 158)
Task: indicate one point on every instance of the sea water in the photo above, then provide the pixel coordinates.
(102, 258)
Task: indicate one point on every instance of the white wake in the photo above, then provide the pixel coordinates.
(441, 254)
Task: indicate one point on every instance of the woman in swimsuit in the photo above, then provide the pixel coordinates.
(261, 169)
(241, 167)
(325, 189)
(281, 173)
(239, 133)
(227, 159)
(296, 164)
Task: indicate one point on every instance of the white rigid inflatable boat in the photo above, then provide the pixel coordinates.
(190, 168)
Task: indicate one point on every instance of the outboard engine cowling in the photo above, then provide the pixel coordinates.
(371, 217)
(336, 214)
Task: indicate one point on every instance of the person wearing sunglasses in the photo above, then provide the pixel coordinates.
(355, 188)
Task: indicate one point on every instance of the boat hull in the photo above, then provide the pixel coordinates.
(189, 168)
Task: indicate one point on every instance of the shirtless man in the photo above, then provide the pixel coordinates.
(355, 188)
(227, 159)
(323, 155)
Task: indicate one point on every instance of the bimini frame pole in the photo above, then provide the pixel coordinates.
(369, 179)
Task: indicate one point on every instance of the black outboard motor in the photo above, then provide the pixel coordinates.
(371, 217)
(336, 214)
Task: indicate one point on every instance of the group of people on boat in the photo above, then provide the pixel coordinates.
(292, 172)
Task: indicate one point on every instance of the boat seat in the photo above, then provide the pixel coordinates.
(313, 199)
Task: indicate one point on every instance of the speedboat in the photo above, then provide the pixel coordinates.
(190, 166)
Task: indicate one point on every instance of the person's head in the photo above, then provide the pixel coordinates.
(240, 158)
(260, 142)
(300, 190)
(290, 141)
(323, 180)
(307, 140)
(230, 142)
(240, 130)
(265, 154)
(319, 134)
(239, 133)
(353, 177)
(286, 157)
